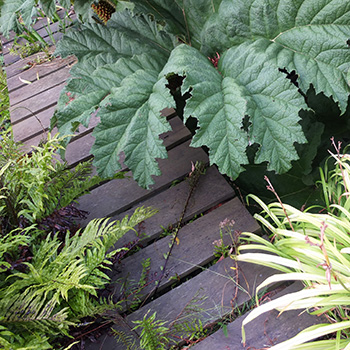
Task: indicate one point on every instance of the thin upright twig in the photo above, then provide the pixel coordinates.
(197, 171)
(271, 188)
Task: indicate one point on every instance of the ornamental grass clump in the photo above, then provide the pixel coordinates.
(313, 248)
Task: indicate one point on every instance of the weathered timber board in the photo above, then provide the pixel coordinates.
(27, 62)
(31, 131)
(37, 72)
(39, 86)
(36, 104)
(33, 126)
(38, 132)
(217, 290)
(119, 195)
(10, 59)
(263, 332)
(212, 189)
(194, 250)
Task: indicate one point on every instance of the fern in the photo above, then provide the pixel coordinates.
(127, 340)
(9, 246)
(35, 185)
(192, 329)
(154, 335)
(59, 286)
(146, 265)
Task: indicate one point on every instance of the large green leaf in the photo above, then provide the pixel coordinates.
(124, 36)
(309, 36)
(245, 100)
(92, 79)
(97, 72)
(221, 99)
(131, 121)
(10, 12)
(197, 13)
(49, 6)
(167, 12)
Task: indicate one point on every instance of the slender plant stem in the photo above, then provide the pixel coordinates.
(193, 177)
(271, 188)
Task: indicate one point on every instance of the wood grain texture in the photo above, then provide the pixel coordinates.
(38, 86)
(212, 189)
(36, 71)
(35, 104)
(194, 249)
(118, 195)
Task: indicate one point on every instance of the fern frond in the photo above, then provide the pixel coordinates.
(127, 340)
(66, 185)
(127, 224)
(9, 245)
(154, 335)
(37, 184)
(36, 314)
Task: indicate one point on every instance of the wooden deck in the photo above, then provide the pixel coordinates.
(190, 280)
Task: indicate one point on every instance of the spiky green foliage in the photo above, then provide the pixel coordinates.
(59, 285)
(49, 281)
(34, 185)
(9, 246)
(18, 13)
(5, 125)
(313, 248)
(154, 334)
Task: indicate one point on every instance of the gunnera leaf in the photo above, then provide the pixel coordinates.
(251, 43)
(118, 75)
(131, 121)
(10, 13)
(49, 6)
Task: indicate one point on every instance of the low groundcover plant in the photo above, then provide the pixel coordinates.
(313, 248)
(50, 272)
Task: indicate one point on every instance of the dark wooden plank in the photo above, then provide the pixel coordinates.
(34, 141)
(20, 66)
(170, 204)
(35, 105)
(39, 86)
(194, 249)
(29, 129)
(265, 331)
(167, 112)
(119, 195)
(10, 59)
(214, 288)
(38, 71)
(33, 126)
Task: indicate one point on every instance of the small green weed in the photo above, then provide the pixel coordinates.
(27, 49)
(222, 250)
(154, 333)
(5, 123)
